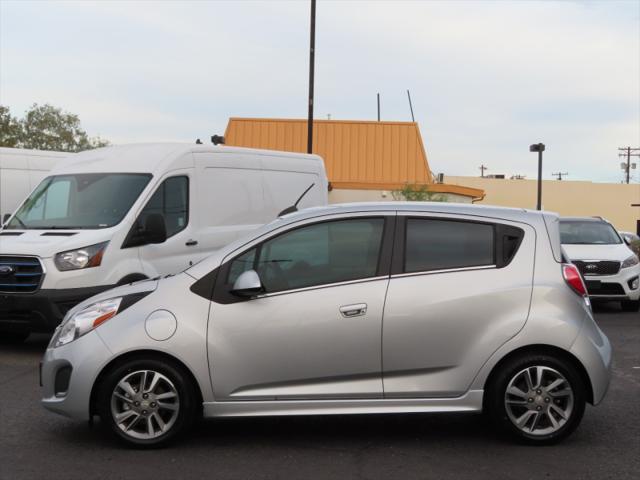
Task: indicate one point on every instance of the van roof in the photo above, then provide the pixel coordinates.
(151, 157)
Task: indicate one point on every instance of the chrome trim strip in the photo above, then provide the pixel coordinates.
(326, 285)
(469, 402)
(447, 270)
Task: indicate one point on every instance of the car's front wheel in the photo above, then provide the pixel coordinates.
(538, 398)
(147, 402)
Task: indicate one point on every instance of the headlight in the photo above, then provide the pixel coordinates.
(630, 262)
(86, 257)
(85, 320)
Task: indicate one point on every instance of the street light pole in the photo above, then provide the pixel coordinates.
(538, 147)
(312, 52)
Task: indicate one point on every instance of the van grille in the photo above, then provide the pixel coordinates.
(597, 267)
(20, 274)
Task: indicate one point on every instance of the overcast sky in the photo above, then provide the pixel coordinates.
(486, 78)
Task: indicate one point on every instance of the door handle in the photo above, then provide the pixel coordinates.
(355, 310)
(191, 243)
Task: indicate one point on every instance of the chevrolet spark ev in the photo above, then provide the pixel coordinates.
(349, 309)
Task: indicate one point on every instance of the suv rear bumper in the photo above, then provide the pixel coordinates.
(41, 311)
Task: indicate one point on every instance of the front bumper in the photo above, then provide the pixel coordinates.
(614, 287)
(41, 311)
(68, 374)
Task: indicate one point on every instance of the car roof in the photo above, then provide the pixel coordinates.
(423, 207)
(583, 219)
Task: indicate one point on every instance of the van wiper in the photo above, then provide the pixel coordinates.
(294, 207)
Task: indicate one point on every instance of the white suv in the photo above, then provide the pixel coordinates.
(610, 269)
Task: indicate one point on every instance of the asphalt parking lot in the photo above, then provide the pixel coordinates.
(37, 444)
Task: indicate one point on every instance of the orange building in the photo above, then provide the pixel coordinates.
(365, 160)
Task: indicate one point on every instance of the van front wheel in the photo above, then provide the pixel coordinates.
(539, 399)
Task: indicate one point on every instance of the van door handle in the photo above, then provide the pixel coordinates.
(355, 310)
(191, 243)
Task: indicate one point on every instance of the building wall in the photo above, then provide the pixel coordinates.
(349, 195)
(609, 200)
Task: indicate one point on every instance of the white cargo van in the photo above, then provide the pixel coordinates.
(120, 214)
(20, 171)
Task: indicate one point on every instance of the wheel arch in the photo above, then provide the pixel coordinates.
(545, 350)
(141, 354)
(130, 278)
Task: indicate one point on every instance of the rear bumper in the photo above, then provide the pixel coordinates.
(41, 311)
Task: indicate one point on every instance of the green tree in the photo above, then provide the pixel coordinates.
(45, 127)
(10, 128)
(417, 193)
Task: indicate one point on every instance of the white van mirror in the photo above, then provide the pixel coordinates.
(155, 230)
(248, 284)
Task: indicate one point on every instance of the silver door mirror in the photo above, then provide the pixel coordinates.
(248, 284)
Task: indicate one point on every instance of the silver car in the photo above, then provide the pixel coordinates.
(360, 308)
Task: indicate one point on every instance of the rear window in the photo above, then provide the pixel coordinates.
(433, 244)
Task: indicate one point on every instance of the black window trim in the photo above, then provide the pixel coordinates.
(221, 290)
(127, 241)
(499, 230)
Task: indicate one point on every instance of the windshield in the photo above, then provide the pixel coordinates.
(84, 200)
(584, 232)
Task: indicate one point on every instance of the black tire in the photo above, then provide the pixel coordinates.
(13, 337)
(187, 399)
(630, 305)
(495, 399)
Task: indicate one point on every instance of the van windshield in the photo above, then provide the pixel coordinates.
(84, 200)
(586, 232)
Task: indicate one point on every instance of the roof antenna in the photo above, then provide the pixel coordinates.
(294, 207)
(410, 106)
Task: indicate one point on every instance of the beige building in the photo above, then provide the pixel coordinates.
(609, 200)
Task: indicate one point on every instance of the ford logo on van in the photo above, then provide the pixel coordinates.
(6, 270)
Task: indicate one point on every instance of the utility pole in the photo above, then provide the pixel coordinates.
(378, 107)
(482, 169)
(626, 152)
(538, 147)
(312, 52)
(559, 175)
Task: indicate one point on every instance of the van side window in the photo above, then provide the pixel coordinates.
(319, 254)
(434, 244)
(171, 200)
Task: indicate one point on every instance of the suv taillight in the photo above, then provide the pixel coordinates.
(573, 278)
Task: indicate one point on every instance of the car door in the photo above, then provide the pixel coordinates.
(460, 288)
(172, 199)
(316, 330)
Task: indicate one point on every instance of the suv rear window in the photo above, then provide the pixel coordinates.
(433, 244)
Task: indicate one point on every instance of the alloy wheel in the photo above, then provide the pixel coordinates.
(539, 400)
(145, 404)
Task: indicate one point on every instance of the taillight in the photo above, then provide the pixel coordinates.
(573, 278)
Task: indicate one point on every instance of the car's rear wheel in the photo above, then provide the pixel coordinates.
(147, 402)
(630, 305)
(539, 399)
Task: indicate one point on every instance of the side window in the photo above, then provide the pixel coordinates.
(171, 200)
(433, 244)
(318, 254)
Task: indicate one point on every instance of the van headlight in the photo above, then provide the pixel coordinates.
(85, 257)
(630, 262)
(82, 322)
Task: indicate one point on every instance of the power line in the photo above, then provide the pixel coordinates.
(626, 152)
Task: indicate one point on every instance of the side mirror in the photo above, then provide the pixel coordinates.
(248, 284)
(5, 218)
(155, 230)
(627, 239)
